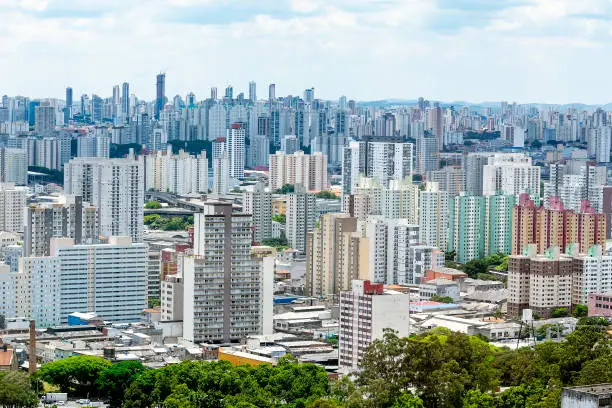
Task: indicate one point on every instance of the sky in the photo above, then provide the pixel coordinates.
(549, 51)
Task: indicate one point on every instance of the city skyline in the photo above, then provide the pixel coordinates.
(529, 51)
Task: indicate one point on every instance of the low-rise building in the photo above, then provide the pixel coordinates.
(365, 312)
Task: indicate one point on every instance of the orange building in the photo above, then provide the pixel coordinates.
(555, 226)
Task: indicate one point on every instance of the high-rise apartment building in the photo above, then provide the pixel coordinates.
(72, 218)
(382, 158)
(44, 119)
(115, 187)
(308, 170)
(223, 282)
(236, 151)
(467, 227)
(510, 173)
(451, 179)
(498, 223)
(108, 279)
(301, 217)
(221, 179)
(427, 154)
(14, 166)
(553, 280)
(555, 226)
(12, 202)
(433, 217)
(335, 255)
(366, 310)
(179, 173)
(389, 243)
(258, 203)
(473, 164)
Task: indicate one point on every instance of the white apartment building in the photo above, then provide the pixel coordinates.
(308, 170)
(401, 200)
(115, 187)
(12, 201)
(14, 166)
(433, 217)
(221, 178)
(172, 292)
(44, 280)
(301, 218)
(153, 275)
(258, 203)
(108, 279)
(365, 312)
(178, 174)
(593, 274)
(236, 152)
(422, 258)
(390, 241)
(511, 173)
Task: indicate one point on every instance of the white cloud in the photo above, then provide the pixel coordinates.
(546, 50)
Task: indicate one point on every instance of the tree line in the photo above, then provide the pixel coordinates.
(438, 369)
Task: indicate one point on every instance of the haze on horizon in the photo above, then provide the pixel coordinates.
(546, 51)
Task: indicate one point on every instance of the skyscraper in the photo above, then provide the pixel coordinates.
(223, 282)
(115, 187)
(229, 92)
(335, 255)
(258, 203)
(252, 91)
(213, 93)
(272, 93)
(125, 99)
(467, 227)
(236, 151)
(68, 108)
(433, 204)
(301, 217)
(160, 99)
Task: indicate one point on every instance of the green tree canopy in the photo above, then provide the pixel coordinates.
(153, 205)
(16, 390)
(286, 189)
(75, 375)
(113, 381)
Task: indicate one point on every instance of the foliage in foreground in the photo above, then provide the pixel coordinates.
(437, 369)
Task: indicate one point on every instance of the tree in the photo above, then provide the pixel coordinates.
(153, 205)
(114, 381)
(278, 243)
(75, 375)
(536, 144)
(442, 299)
(478, 399)
(282, 218)
(327, 195)
(154, 302)
(408, 400)
(560, 312)
(475, 266)
(580, 311)
(450, 255)
(16, 390)
(286, 189)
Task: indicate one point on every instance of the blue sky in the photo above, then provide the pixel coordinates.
(555, 51)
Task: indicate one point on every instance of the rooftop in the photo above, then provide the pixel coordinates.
(595, 389)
